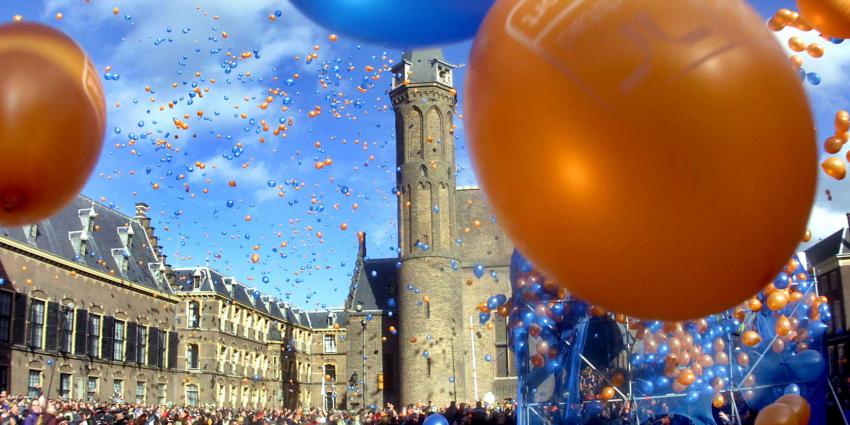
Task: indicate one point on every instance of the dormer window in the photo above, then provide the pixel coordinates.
(125, 234)
(331, 320)
(31, 233)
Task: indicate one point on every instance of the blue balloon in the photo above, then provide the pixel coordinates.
(792, 389)
(402, 24)
(817, 328)
(436, 419)
(593, 408)
(478, 270)
(813, 78)
(806, 365)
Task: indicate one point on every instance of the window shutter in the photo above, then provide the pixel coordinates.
(106, 337)
(81, 337)
(52, 332)
(173, 343)
(130, 355)
(19, 324)
(153, 346)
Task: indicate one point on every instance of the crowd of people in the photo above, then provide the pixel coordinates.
(19, 410)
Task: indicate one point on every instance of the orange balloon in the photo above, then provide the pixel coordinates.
(783, 326)
(750, 338)
(777, 414)
(743, 359)
(796, 44)
(834, 168)
(799, 405)
(777, 300)
(778, 346)
(687, 377)
(815, 50)
(830, 17)
(255, 258)
(653, 73)
(618, 379)
(607, 394)
(833, 145)
(52, 121)
(718, 401)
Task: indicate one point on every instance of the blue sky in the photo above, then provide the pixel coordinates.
(283, 207)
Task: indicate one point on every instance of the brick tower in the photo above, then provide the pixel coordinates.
(429, 292)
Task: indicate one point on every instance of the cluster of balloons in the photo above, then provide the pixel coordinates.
(649, 161)
(833, 166)
(766, 347)
(52, 121)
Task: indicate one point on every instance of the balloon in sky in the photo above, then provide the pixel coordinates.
(830, 17)
(642, 182)
(403, 24)
(52, 121)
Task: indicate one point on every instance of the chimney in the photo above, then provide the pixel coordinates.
(848, 219)
(361, 239)
(142, 210)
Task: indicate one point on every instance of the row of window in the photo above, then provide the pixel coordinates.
(48, 326)
(92, 388)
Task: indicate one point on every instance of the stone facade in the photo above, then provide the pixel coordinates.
(89, 309)
(420, 312)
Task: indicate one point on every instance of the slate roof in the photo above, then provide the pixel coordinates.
(98, 226)
(206, 279)
(319, 319)
(373, 283)
(832, 245)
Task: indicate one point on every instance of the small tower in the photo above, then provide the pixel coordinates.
(424, 101)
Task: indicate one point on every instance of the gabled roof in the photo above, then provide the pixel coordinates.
(98, 226)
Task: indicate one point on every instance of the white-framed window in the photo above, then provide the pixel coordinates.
(67, 343)
(162, 393)
(34, 383)
(91, 388)
(140, 392)
(330, 343)
(118, 388)
(192, 356)
(194, 315)
(192, 395)
(37, 324)
(94, 335)
(118, 342)
(141, 344)
(65, 386)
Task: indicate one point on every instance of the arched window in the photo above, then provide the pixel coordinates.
(194, 314)
(192, 356)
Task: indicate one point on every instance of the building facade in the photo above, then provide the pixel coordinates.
(413, 321)
(829, 260)
(90, 308)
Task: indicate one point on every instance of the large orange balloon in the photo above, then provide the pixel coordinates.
(52, 120)
(799, 405)
(831, 17)
(776, 414)
(633, 133)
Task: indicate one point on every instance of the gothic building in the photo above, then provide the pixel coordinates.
(91, 309)
(413, 321)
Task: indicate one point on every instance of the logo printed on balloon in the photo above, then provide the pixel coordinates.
(537, 24)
